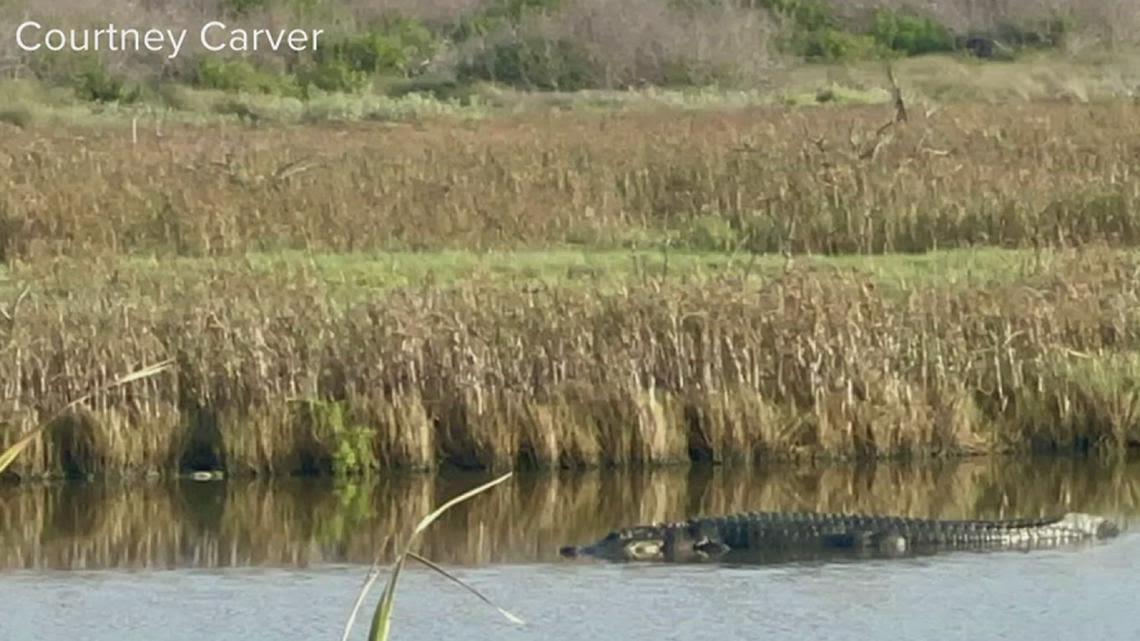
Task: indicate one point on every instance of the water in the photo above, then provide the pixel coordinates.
(258, 561)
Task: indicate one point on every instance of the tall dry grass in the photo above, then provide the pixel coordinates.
(830, 180)
(275, 375)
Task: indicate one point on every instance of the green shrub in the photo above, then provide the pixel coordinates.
(1042, 33)
(348, 444)
(910, 35)
(87, 75)
(536, 64)
(392, 45)
(17, 116)
(498, 13)
(240, 108)
(817, 34)
(839, 45)
(685, 72)
(238, 75)
(332, 75)
(808, 15)
(96, 83)
(440, 88)
(179, 97)
(100, 86)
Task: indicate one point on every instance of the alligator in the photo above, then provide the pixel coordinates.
(811, 534)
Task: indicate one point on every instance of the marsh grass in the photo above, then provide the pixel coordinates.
(834, 180)
(330, 415)
(61, 421)
(280, 371)
(1083, 396)
(576, 290)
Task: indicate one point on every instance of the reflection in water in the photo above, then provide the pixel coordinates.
(298, 523)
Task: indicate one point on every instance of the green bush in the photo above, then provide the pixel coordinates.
(240, 108)
(87, 75)
(238, 75)
(536, 64)
(910, 35)
(179, 97)
(817, 33)
(17, 116)
(838, 45)
(498, 13)
(808, 15)
(394, 45)
(348, 444)
(440, 88)
(1042, 33)
(685, 72)
(332, 75)
(96, 83)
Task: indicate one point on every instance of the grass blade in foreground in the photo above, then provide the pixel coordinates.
(454, 579)
(382, 618)
(26, 439)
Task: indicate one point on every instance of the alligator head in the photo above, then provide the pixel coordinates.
(687, 541)
(637, 543)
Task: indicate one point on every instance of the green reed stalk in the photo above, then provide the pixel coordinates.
(382, 617)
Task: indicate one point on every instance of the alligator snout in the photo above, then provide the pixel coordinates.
(569, 551)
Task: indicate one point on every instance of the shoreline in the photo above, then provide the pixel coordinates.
(302, 521)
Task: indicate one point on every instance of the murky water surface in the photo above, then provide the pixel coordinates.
(261, 561)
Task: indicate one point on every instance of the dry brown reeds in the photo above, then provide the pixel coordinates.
(827, 180)
(276, 375)
(285, 371)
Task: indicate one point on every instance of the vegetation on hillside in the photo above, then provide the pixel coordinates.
(447, 49)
